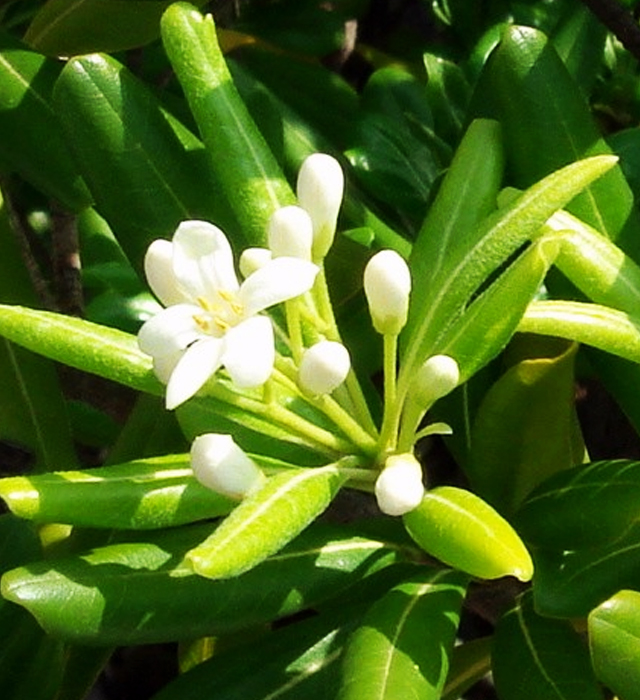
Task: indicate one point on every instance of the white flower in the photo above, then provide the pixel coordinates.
(320, 188)
(437, 377)
(324, 367)
(252, 259)
(211, 320)
(399, 488)
(387, 285)
(220, 465)
(290, 233)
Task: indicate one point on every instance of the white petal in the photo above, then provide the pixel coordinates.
(399, 488)
(203, 260)
(387, 285)
(324, 367)
(171, 330)
(277, 281)
(253, 259)
(158, 269)
(197, 364)
(219, 464)
(164, 365)
(249, 352)
(437, 377)
(290, 233)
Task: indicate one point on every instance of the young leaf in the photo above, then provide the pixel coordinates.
(151, 493)
(141, 592)
(549, 654)
(614, 639)
(247, 171)
(464, 532)
(403, 646)
(265, 521)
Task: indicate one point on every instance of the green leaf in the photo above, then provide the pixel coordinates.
(143, 178)
(614, 639)
(571, 583)
(265, 521)
(64, 28)
(151, 493)
(402, 648)
(31, 140)
(247, 171)
(96, 349)
(470, 662)
(588, 506)
(599, 326)
(546, 655)
(141, 592)
(463, 531)
(448, 93)
(496, 239)
(525, 428)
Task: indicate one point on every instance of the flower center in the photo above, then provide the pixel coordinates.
(220, 314)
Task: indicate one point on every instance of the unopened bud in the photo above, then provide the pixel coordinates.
(437, 377)
(387, 285)
(320, 188)
(253, 259)
(290, 233)
(324, 367)
(219, 464)
(399, 488)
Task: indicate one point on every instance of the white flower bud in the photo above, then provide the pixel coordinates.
(437, 377)
(252, 259)
(387, 285)
(290, 233)
(220, 465)
(324, 367)
(399, 487)
(320, 188)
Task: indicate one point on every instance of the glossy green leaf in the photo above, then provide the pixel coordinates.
(604, 328)
(463, 531)
(525, 429)
(33, 416)
(497, 238)
(614, 639)
(31, 141)
(299, 661)
(151, 493)
(547, 124)
(265, 521)
(247, 171)
(142, 177)
(547, 657)
(85, 26)
(403, 646)
(583, 507)
(141, 592)
(470, 662)
(448, 93)
(571, 583)
(487, 325)
(96, 349)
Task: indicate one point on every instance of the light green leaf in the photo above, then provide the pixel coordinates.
(402, 648)
(463, 531)
(265, 521)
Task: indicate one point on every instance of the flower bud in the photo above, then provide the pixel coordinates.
(324, 367)
(399, 487)
(252, 259)
(320, 188)
(220, 465)
(437, 377)
(387, 284)
(290, 233)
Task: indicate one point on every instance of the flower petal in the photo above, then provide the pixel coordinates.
(249, 352)
(169, 331)
(278, 280)
(197, 364)
(203, 260)
(158, 269)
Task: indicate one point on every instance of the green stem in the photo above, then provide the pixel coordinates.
(391, 415)
(292, 310)
(348, 425)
